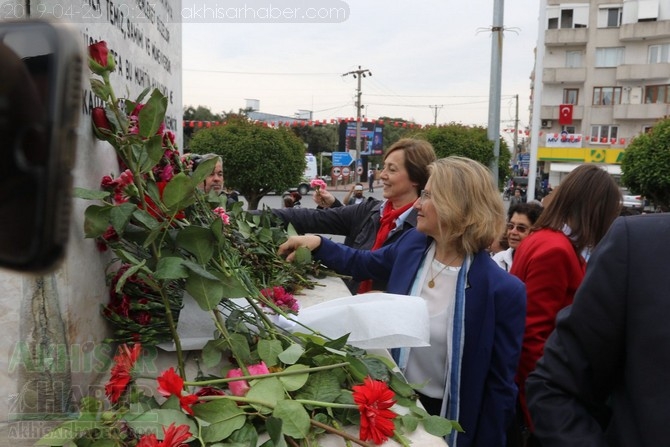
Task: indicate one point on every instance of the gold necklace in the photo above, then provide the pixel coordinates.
(431, 282)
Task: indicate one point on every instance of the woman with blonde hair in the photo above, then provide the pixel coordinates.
(477, 310)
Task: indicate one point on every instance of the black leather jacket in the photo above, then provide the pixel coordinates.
(357, 223)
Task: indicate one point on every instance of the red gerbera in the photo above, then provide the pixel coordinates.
(173, 437)
(121, 371)
(169, 383)
(374, 398)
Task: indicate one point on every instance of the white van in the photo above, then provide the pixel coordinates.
(310, 174)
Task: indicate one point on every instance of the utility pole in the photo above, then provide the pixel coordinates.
(516, 129)
(358, 74)
(494, 89)
(436, 107)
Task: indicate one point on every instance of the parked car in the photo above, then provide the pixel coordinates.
(630, 200)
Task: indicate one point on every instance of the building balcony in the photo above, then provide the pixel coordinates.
(630, 32)
(566, 36)
(642, 72)
(552, 113)
(564, 75)
(647, 112)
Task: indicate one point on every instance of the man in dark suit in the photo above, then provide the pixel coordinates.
(604, 376)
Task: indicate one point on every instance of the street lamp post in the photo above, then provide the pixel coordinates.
(358, 74)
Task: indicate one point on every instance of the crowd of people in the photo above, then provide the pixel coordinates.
(541, 333)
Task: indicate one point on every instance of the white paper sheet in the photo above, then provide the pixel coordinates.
(373, 320)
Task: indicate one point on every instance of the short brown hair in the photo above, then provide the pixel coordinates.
(467, 202)
(418, 155)
(587, 200)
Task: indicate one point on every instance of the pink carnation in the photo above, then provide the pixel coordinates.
(282, 299)
(241, 387)
(317, 184)
(222, 214)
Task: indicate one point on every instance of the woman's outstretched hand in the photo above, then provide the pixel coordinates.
(288, 248)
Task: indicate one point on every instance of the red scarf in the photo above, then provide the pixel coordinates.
(387, 223)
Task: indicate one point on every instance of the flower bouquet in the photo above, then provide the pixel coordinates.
(274, 387)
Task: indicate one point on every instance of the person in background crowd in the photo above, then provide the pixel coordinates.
(292, 200)
(371, 180)
(603, 378)
(520, 219)
(516, 198)
(215, 181)
(476, 309)
(355, 195)
(551, 261)
(373, 223)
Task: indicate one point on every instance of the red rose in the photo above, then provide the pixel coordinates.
(102, 128)
(100, 60)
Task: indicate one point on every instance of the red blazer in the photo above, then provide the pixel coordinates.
(552, 270)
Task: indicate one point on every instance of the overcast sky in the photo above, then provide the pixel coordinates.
(421, 54)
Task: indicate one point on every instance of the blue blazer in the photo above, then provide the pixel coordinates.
(495, 315)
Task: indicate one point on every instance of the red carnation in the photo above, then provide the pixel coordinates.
(374, 398)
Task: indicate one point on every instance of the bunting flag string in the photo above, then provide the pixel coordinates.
(305, 123)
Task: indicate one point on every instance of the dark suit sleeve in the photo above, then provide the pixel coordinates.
(341, 220)
(584, 355)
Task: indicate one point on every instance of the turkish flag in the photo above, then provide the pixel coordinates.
(565, 114)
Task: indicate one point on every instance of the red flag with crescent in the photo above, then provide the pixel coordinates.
(565, 114)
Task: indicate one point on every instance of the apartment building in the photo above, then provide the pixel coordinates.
(605, 79)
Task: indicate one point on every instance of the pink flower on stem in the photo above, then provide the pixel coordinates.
(318, 184)
(241, 387)
(221, 212)
(282, 299)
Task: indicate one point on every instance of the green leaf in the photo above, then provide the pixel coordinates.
(206, 292)
(294, 381)
(153, 152)
(219, 431)
(178, 193)
(274, 428)
(120, 216)
(146, 219)
(96, 220)
(203, 170)
(266, 391)
(294, 417)
(240, 348)
(66, 432)
(152, 114)
(199, 270)
(437, 426)
(170, 267)
(409, 422)
(100, 89)
(198, 241)
(212, 352)
(398, 384)
(90, 194)
(321, 386)
(269, 350)
(292, 354)
(303, 256)
(218, 410)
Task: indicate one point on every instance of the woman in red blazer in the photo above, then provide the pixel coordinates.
(552, 260)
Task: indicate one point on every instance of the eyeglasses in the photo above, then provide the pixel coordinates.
(423, 195)
(520, 228)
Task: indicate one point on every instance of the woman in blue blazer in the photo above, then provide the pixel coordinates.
(477, 310)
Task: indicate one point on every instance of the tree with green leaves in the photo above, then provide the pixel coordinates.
(321, 138)
(645, 165)
(200, 113)
(467, 141)
(256, 159)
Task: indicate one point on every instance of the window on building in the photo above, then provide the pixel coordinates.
(647, 129)
(659, 54)
(571, 96)
(657, 94)
(609, 57)
(647, 10)
(610, 16)
(570, 17)
(606, 96)
(573, 59)
(604, 134)
(569, 129)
